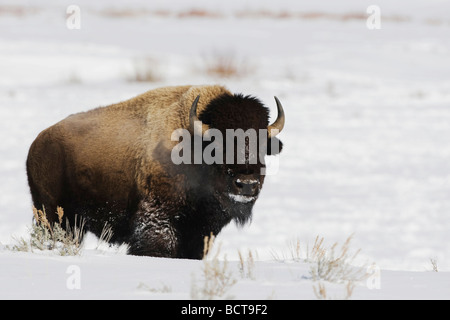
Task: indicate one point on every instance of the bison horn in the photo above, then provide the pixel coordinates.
(279, 123)
(193, 118)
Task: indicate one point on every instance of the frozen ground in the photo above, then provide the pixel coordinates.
(367, 138)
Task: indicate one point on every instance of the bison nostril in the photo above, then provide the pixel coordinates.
(239, 183)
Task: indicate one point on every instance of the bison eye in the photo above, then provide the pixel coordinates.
(230, 172)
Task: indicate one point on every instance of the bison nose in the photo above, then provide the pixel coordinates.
(246, 187)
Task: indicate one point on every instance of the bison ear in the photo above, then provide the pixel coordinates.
(274, 142)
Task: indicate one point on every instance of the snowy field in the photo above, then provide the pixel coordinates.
(366, 142)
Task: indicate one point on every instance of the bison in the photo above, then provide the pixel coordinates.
(114, 165)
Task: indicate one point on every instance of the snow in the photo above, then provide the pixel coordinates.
(241, 198)
(109, 275)
(366, 141)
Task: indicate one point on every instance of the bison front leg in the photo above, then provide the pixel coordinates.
(153, 232)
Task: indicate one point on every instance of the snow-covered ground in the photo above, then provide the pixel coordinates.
(366, 142)
(97, 275)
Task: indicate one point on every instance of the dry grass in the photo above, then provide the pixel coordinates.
(105, 237)
(327, 264)
(199, 13)
(321, 292)
(163, 289)
(434, 264)
(334, 264)
(124, 12)
(17, 11)
(295, 252)
(225, 65)
(217, 279)
(145, 70)
(45, 236)
(208, 243)
(247, 265)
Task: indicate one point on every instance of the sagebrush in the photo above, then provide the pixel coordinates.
(46, 236)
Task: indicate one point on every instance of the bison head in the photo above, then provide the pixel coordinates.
(234, 131)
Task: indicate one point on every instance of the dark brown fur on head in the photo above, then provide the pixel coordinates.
(235, 112)
(238, 112)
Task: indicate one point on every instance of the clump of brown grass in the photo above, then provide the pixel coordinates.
(322, 294)
(334, 264)
(18, 11)
(145, 70)
(163, 289)
(124, 12)
(105, 236)
(199, 13)
(434, 264)
(217, 277)
(247, 265)
(264, 14)
(225, 65)
(208, 243)
(45, 236)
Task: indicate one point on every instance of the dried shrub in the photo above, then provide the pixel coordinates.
(45, 236)
(17, 11)
(145, 70)
(123, 12)
(434, 264)
(163, 289)
(216, 280)
(225, 65)
(264, 14)
(199, 13)
(334, 264)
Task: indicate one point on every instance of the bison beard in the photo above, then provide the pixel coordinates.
(112, 165)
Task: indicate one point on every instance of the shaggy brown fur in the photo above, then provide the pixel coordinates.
(112, 165)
